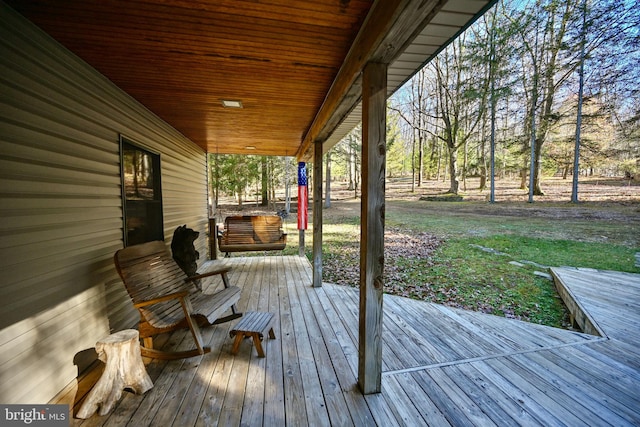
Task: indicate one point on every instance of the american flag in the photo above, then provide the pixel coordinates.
(302, 196)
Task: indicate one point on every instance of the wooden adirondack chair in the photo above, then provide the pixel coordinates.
(168, 300)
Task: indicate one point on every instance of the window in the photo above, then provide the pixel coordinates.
(141, 194)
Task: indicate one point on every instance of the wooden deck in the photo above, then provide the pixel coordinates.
(604, 303)
(442, 366)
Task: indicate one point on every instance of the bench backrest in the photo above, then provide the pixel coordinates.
(149, 271)
(238, 230)
(253, 229)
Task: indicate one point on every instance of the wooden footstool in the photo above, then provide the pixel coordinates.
(124, 369)
(253, 324)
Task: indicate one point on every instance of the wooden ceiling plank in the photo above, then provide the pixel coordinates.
(173, 15)
(258, 40)
(328, 15)
(306, 42)
(212, 64)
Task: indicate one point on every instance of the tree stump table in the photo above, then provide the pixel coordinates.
(253, 324)
(124, 369)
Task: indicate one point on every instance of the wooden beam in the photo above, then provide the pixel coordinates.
(374, 128)
(317, 215)
(379, 21)
(390, 27)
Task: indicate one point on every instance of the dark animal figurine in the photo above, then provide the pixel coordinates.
(184, 252)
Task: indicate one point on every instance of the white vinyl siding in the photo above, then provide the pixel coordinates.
(61, 206)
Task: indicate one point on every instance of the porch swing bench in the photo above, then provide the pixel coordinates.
(168, 300)
(252, 233)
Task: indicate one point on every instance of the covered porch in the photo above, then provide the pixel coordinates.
(441, 366)
(145, 70)
(179, 80)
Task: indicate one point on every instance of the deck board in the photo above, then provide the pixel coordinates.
(442, 366)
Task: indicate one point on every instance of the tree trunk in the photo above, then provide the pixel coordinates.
(413, 161)
(523, 177)
(464, 165)
(453, 169)
(482, 160)
(350, 167)
(420, 158)
(265, 182)
(327, 189)
(124, 368)
(356, 180)
(576, 155)
(287, 186)
(439, 167)
(239, 192)
(432, 158)
(537, 191)
(216, 183)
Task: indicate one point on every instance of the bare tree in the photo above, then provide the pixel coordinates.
(546, 64)
(461, 94)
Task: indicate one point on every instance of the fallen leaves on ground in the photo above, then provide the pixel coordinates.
(341, 265)
(408, 257)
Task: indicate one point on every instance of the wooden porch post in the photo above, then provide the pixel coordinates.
(374, 96)
(317, 214)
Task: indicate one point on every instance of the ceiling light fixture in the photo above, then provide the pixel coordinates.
(227, 103)
(250, 147)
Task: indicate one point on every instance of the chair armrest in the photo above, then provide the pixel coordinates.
(218, 270)
(175, 295)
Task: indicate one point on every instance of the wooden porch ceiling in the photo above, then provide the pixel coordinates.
(294, 65)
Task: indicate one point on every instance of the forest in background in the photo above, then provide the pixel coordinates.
(520, 92)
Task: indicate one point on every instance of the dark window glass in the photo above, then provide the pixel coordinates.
(142, 194)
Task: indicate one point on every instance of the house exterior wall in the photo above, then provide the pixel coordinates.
(61, 208)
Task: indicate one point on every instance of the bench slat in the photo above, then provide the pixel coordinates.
(252, 233)
(254, 322)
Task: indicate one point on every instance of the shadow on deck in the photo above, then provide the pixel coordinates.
(442, 366)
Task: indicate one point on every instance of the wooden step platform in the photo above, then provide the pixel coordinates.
(253, 325)
(604, 303)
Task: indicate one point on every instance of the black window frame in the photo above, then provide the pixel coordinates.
(145, 212)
